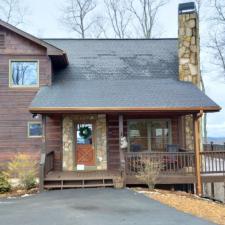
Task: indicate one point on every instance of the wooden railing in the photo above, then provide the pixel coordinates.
(49, 162)
(170, 163)
(213, 162)
(46, 165)
(214, 147)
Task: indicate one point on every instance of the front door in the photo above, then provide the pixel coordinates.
(84, 147)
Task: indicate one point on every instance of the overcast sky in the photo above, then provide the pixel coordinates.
(43, 21)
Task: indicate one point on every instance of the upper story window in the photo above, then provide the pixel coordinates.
(23, 73)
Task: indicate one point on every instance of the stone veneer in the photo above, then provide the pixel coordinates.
(100, 139)
(189, 62)
(189, 48)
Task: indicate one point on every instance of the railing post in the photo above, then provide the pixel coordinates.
(211, 144)
(197, 153)
(43, 153)
(122, 157)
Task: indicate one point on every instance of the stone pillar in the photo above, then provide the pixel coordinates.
(101, 139)
(189, 59)
(68, 144)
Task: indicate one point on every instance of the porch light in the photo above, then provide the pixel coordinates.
(35, 116)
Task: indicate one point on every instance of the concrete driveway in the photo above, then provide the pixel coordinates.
(91, 207)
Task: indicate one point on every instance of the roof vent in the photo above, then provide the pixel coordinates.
(2, 40)
(188, 7)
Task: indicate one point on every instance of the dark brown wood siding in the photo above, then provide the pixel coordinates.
(14, 102)
(54, 138)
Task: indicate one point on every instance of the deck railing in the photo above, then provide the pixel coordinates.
(213, 162)
(46, 165)
(49, 162)
(170, 162)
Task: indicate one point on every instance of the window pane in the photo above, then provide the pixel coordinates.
(138, 136)
(35, 129)
(84, 133)
(159, 135)
(24, 73)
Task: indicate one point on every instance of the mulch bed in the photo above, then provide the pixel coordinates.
(189, 203)
(19, 193)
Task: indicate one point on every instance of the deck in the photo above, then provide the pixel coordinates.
(175, 168)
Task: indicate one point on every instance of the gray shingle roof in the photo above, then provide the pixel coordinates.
(154, 93)
(120, 74)
(119, 59)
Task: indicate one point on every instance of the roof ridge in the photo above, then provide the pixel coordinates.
(111, 39)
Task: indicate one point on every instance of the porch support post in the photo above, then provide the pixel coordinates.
(122, 159)
(43, 154)
(197, 153)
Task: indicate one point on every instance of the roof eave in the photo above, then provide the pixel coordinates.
(51, 49)
(122, 109)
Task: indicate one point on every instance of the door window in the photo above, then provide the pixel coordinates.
(84, 133)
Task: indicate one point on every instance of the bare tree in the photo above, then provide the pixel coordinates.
(12, 11)
(119, 17)
(217, 41)
(76, 15)
(145, 12)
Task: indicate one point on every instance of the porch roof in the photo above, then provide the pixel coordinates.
(121, 95)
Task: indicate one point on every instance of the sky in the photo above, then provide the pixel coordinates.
(44, 22)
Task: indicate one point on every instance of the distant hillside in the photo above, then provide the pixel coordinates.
(217, 140)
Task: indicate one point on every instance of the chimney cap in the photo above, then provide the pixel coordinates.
(188, 7)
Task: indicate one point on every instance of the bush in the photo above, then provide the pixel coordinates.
(23, 167)
(149, 171)
(4, 184)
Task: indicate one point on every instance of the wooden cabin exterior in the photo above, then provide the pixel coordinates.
(92, 111)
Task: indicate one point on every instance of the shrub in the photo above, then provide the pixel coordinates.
(148, 172)
(23, 167)
(4, 184)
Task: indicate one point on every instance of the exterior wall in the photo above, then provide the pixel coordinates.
(189, 62)
(14, 102)
(69, 138)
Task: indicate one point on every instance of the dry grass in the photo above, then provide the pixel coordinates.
(191, 204)
(19, 193)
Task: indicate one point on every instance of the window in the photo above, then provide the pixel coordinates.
(84, 133)
(149, 135)
(23, 73)
(34, 129)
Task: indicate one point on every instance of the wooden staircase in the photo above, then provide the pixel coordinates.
(83, 179)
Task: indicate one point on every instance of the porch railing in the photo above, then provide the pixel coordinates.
(170, 162)
(213, 162)
(49, 162)
(46, 165)
(174, 163)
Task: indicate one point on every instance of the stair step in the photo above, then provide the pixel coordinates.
(77, 179)
(52, 186)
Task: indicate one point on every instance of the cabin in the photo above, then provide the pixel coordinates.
(94, 110)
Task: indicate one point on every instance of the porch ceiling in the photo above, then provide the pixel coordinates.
(150, 95)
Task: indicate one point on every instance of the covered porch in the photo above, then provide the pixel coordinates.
(100, 161)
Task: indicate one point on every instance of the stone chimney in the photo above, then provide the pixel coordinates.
(188, 34)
